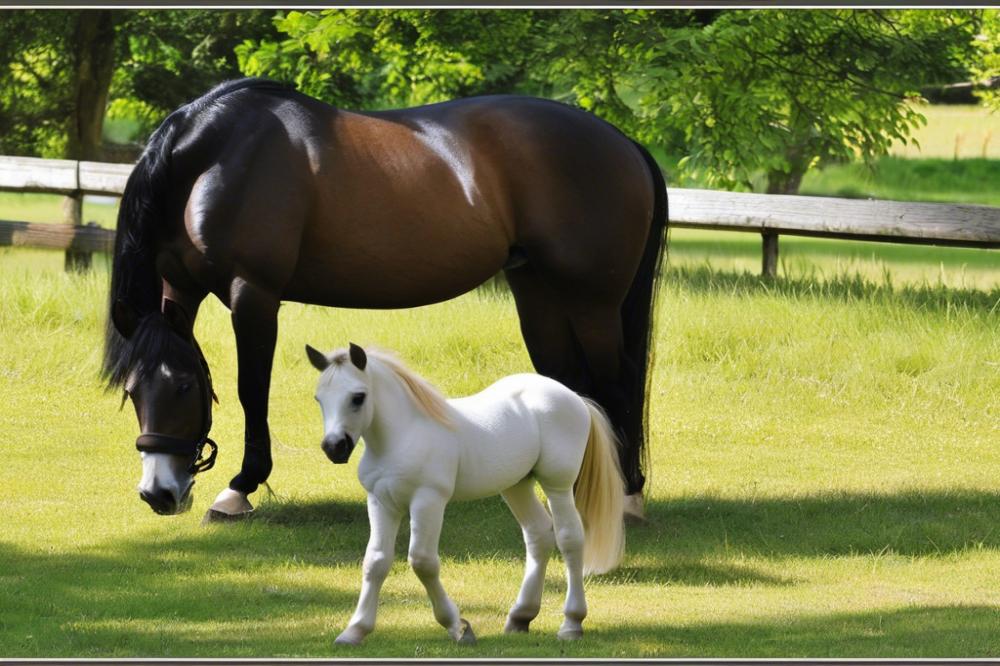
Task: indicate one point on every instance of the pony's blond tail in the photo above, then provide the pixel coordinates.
(599, 496)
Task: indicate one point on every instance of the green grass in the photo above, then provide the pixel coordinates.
(954, 131)
(47, 208)
(938, 180)
(823, 482)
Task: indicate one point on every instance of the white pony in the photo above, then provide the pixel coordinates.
(421, 451)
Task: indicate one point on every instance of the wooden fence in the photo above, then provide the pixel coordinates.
(766, 214)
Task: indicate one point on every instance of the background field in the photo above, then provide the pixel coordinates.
(823, 481)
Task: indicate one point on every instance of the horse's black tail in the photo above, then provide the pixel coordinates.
(638, 323)
(134, 279)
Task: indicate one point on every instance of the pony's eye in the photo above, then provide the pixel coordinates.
(183, 388)
(358, 399)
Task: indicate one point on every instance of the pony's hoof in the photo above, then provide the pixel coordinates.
(347, 638)
(229, 505)
(467, 637)
(515, 626)
(634, 509)
(570, 634)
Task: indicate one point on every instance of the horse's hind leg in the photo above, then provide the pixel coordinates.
(426, 517)
(569, 538)
(536, 525)
(577, 340)
(546, 329)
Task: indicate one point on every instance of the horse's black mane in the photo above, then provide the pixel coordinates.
(134, 279)
(152, 343)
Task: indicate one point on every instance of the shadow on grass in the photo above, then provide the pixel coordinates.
(201, 592)
(846, 288)
(911, 632)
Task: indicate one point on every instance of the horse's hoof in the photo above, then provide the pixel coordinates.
(570, 634)
(515, 626)
(634, 509)
(467, 637)
(229, 505)
(213, 516)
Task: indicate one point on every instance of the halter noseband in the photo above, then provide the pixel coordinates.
(151, 442)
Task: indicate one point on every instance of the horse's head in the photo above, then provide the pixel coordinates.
(343, 397)
(171, 389)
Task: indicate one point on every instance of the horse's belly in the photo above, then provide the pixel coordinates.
(390, 264)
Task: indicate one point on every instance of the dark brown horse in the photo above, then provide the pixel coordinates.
(259, 194)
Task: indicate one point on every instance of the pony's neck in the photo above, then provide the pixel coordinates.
(395, 410)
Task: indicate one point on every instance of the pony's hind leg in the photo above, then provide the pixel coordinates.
(569, 539)
(539, 540)
(426, 517)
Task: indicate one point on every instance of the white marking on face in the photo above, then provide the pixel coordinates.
(165, 371)
(164, 471)
(454, 154)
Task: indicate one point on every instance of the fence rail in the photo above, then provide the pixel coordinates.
(767, 214)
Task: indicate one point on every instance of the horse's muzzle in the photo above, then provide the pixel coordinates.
(165, 503)
(338, 451)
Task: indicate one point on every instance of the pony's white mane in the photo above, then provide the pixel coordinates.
(427, 397)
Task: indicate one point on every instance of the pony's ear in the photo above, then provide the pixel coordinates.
(317, 358)
(125, 318)
(358, 356)
(178, 318)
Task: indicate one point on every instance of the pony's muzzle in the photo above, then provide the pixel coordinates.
(338, 450)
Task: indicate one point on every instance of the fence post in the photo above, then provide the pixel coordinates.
(72, 208)
(769, 267)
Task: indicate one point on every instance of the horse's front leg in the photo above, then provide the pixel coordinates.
(384, 523)
(255, 323)
(426, 518)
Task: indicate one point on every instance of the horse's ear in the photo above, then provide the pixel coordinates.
(178, 318)
(125, 318)
(317, 358)
(358, 356)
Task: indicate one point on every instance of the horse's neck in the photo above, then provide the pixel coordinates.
(395, 410)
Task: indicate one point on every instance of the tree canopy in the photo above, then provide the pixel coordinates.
(743, 98)
(741, 94)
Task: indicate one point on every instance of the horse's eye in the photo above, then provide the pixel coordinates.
(183, 388)
(358, 399)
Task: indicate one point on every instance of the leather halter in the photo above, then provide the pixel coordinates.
(151, 442)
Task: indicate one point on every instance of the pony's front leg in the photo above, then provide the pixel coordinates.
(384, 523)
(426, 518)
(255, 323)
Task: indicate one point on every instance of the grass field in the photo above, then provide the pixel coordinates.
(954, 131)
(824, 477)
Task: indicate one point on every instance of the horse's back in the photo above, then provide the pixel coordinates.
(406, 207)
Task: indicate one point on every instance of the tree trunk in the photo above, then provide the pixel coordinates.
(780, 182)
(93, 60)
(93, 56)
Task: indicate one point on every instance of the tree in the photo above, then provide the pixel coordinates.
(59, 69)
(740, 93)
(985, 64)
(55, 71)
